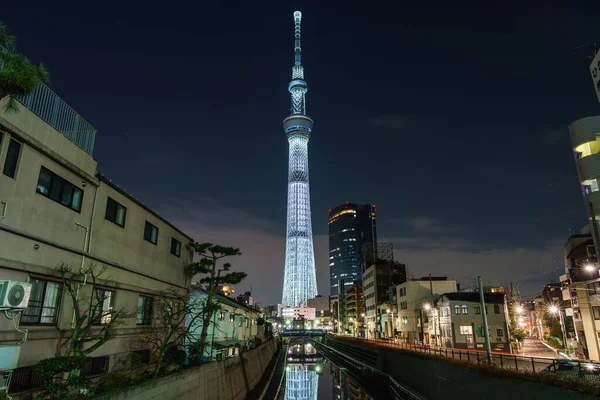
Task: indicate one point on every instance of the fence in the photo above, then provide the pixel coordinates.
(55, 111)
(583, 369)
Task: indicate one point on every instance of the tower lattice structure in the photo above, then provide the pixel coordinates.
(300, 281)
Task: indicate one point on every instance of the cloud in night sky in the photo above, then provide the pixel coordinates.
(262, 244)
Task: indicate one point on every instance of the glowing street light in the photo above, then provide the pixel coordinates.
(589, 267)
(519, 309)
(427, 306)
(553, 309)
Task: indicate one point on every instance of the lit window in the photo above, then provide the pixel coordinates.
(43, 303)
(466, 330)
(456, 310)
(465, 310)
(103, 306)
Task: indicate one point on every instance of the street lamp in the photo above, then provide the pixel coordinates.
(519, 309)
(589, 267)
(391, 312)
(553, 309)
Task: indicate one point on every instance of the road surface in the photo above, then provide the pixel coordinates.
(533, 347)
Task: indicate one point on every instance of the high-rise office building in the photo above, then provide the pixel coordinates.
(350, 226)
(300, 279)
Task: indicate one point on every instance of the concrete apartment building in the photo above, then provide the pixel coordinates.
(379, 281)
(461, 321)
(55, 208)
(414, 299)
(355, 312)
(581, 288)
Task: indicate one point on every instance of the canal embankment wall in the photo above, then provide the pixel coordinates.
(231, 379)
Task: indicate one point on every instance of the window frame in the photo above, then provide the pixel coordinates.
(61, 189)
(464, 310)
(496, 309)
(177, 252)
(116, 213)
(40, 313)
(17, 161)
(596, 312)
(477, 310)
(111, 306)
(147, 311)
(456, 310)
(89, 370)
(148, 227)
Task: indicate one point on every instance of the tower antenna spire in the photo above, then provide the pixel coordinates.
(297, 38)
(300, 281)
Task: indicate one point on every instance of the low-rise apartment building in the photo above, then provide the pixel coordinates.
(581, 292)
(461, 322)
(56, 209)
(235, 327)
(414, 300)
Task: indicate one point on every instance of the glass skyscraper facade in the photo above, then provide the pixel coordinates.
(350, 226)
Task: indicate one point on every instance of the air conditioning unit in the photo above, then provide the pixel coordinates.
(14, 294)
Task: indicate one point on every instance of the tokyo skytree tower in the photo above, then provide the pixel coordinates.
(300, 281)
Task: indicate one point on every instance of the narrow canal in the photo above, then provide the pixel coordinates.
(310, 376)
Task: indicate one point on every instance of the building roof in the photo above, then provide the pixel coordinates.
(226, 300)
(109, 182)
(492, 298)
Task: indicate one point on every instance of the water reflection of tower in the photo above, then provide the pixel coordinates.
(301, 383)
(345, 388)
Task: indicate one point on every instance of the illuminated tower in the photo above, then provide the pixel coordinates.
(300, 281)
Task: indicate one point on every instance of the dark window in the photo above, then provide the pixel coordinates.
(144, 311)
(141, 357)
(496, 309)
(25, 379)
(60, 190)
(12, 158)
(115, 212)
(102, 307)
(596, 311)
(150, 233)
(175, 247)
(231, 317)
(222, 316)
(95, 366)
(499, 332)
(43, 303)
(477, 309)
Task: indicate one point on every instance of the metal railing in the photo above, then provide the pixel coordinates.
(585, 369)
(55, 111)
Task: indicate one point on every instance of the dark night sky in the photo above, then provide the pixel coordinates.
(453, 121)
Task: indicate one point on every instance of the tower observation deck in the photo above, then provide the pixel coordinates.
(300, 281)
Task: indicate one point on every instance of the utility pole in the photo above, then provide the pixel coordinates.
(486, 333)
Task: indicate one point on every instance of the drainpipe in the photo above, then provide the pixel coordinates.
(85, 246)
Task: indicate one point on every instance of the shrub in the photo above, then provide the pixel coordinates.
(555, 342)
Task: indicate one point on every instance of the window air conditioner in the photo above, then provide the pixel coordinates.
(14, 294)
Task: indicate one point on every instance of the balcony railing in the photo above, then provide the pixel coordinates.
(55, 111)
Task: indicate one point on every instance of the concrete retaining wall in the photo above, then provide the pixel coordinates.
(227, 379)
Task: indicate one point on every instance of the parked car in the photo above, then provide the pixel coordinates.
(574, 368)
